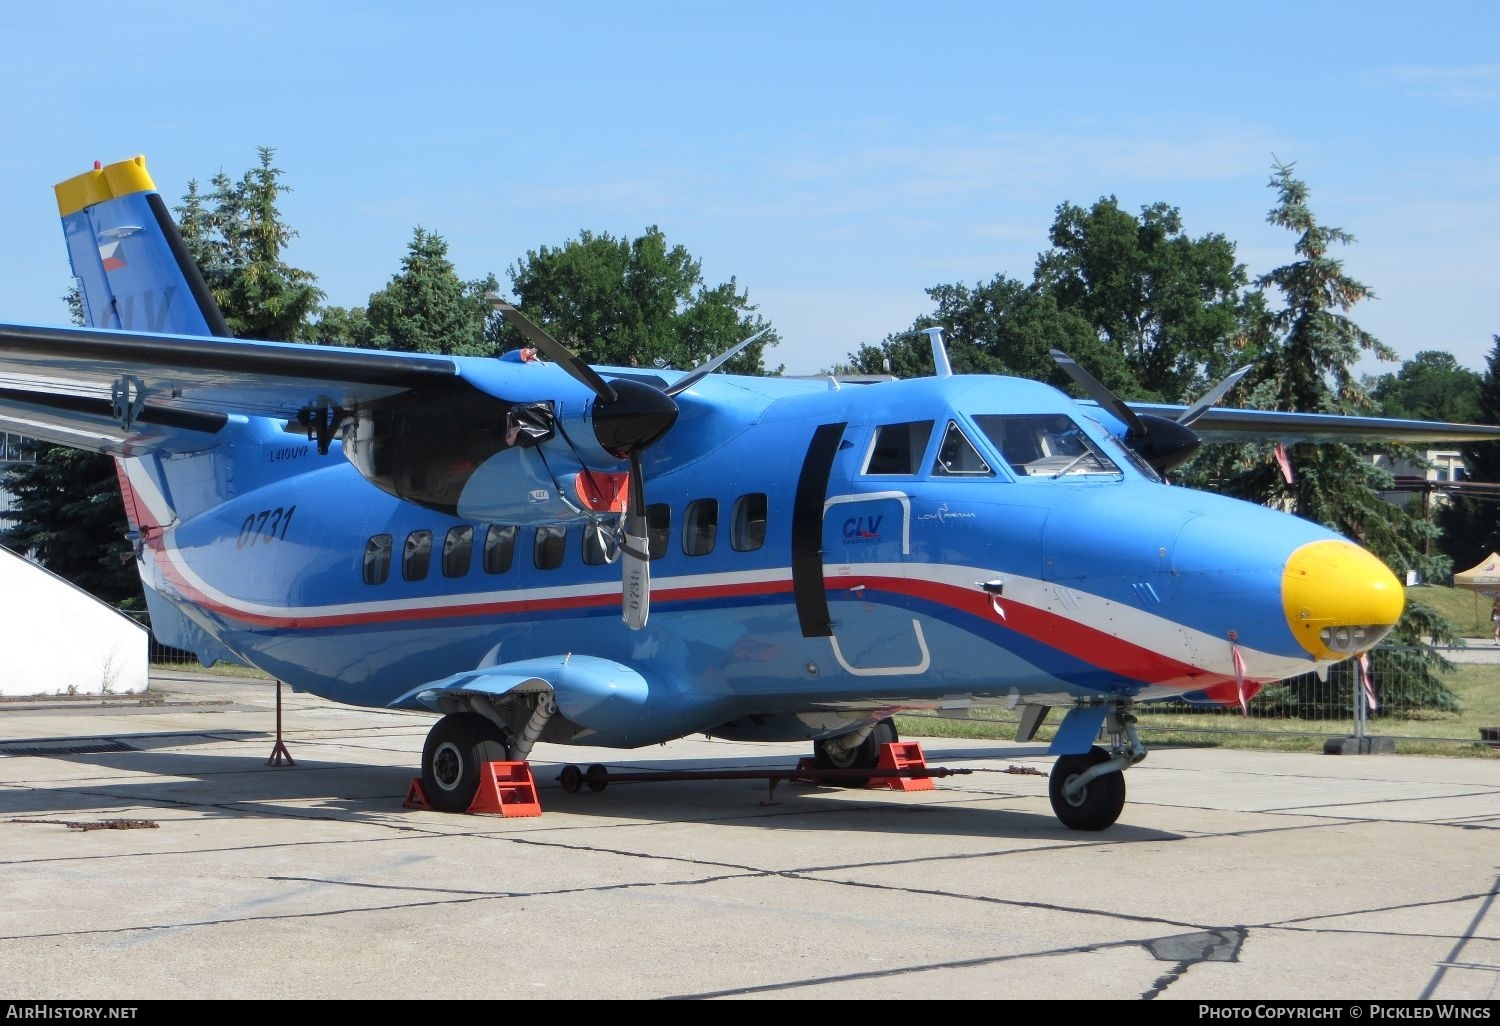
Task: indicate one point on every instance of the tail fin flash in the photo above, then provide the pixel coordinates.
(130, 264)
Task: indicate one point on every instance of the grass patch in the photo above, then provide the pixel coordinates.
(216, 670)
(1469, 611)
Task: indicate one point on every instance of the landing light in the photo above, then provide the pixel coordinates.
(1352, 639)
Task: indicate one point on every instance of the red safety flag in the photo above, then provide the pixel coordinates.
(1364, 673)
(1239, 679)
(1284, 463)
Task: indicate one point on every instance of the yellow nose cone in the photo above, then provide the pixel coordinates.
(1339, 599)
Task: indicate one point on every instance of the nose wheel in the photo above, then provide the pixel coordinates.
(1081, 801)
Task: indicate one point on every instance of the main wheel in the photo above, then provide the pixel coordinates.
(865, 756)
(1099, 804)
(458, 748)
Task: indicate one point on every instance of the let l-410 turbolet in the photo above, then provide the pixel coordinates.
(545, 552)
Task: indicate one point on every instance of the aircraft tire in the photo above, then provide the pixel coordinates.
(457, 749)
(866, 756)
(1102, 800)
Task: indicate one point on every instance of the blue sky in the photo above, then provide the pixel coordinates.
(836, 159)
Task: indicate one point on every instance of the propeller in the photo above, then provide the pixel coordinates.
(628, 417)
(1164, 443)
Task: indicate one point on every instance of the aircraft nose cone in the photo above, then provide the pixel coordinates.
(1339, 599)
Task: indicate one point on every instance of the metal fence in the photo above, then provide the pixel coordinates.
(1395, 695)
(1355, 708)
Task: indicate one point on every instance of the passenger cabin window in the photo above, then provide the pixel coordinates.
(749, 531)
(898, 448)
(1045, 445)
(599, 545)
(700, 527)
(458, 549)
(378, 559)
(499, 548)
(957, 456)
(417, 555)
(551, 543)
(658, 529)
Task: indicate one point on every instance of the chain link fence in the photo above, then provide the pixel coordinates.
(1396, 695)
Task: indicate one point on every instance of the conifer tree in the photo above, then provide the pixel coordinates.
(426, 308)
(237, 237)
(1308, 348)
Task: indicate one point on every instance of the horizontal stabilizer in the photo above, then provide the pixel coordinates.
(203, 375)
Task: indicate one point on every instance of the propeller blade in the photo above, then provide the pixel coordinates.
(1206, 403)
(1101, 395)
(698, 373)
(554, 350)
(635, 553)
(1165, 444)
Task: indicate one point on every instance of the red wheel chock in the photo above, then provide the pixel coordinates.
(901, 767)
(505, 789)
(901, 757)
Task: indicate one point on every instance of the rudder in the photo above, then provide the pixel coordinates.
(131, 266)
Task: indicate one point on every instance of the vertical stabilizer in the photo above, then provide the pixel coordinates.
(130, 264)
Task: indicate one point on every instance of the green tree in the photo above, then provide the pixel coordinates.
(998, 327)
(635, 303)
(340, 326)
(1309, 348)
(1471, 524)
(1170, 305)
(426, 308)
(237, 237)
(1152, 313)
(1429, 386)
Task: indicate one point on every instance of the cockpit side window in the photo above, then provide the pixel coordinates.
(957, 456)
(898, 448)
(1045, 445)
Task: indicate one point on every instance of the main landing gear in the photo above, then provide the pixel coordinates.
(856, 750)
(461, 745)
(458, 748)
(1088, 790)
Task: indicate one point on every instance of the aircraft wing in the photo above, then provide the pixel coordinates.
(1237, 425)
(120, 391)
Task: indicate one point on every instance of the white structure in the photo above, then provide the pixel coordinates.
(60, 640)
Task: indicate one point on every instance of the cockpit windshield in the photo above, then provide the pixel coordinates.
(1045, 445)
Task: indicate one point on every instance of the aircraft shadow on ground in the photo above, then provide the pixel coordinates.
(231, 784)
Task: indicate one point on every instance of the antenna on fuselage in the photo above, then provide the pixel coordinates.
(939, 352)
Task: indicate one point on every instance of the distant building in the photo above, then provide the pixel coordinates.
(1443, 476)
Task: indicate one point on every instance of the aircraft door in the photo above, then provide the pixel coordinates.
(866, 546)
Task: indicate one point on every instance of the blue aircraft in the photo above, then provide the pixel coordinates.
(541, 551)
